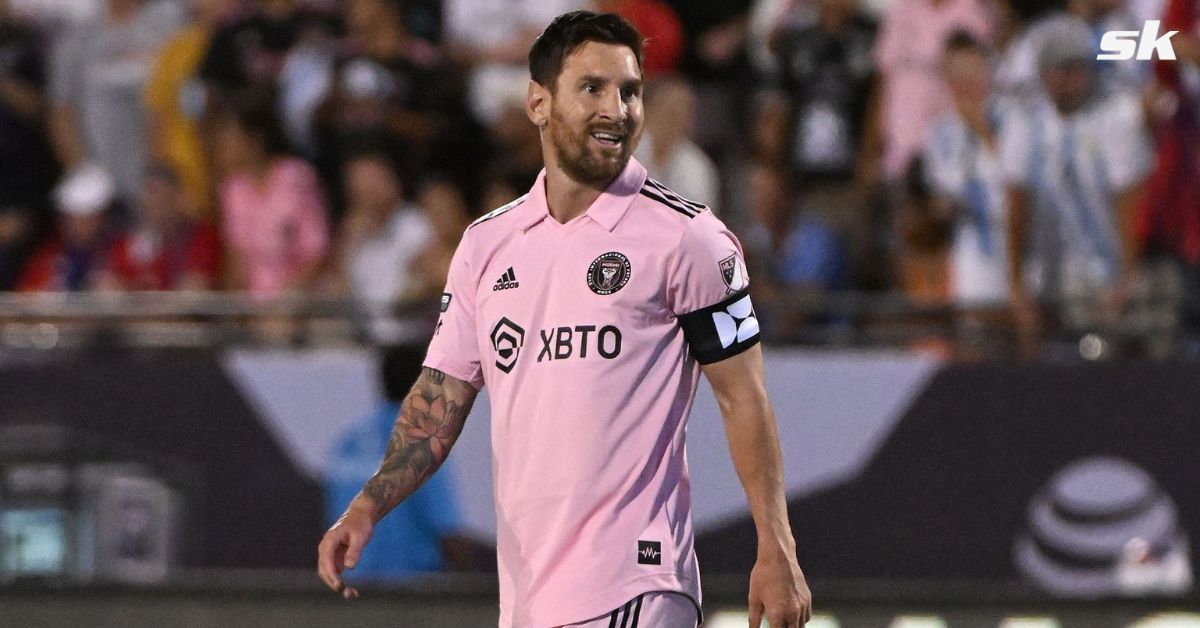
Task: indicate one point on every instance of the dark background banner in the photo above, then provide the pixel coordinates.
(948, 492)
(179, 412)
(945, 496)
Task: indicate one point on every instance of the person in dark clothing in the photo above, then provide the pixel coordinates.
(29, 167)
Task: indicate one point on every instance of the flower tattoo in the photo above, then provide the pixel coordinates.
(431, 419)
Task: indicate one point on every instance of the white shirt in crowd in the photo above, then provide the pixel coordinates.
(57, 12)
(379, 274)
(688, 170)
(1074, 168)
(961, 167)
(483, 24)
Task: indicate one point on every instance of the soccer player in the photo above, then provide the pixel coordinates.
(590, 306)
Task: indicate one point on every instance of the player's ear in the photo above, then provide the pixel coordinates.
(537, 104)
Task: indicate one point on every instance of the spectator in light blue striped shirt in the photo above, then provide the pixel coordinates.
(964, 173)
(1075, 159)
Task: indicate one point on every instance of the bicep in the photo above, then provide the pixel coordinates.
(738, 380)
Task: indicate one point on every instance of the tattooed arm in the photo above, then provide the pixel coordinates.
(431, 418)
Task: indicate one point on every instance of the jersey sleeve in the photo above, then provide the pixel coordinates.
(454, 349)
(708, 290)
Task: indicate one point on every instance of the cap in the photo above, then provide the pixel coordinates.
(85, 191)
(1065, 39)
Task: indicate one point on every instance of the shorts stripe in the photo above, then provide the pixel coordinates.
(625, 614)
(637, 611)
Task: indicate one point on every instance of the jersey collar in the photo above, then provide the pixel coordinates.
(606, 211)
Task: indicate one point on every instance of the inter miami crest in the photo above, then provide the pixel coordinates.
(734, 273)
(608, 273)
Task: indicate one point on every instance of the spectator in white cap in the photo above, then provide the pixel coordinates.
(70, 261)
(1075, 160)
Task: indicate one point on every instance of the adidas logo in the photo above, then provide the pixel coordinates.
(507, 281)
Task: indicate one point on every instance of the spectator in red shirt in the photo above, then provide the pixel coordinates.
(658, 24)
(167, 249)
(70, 261)
(1169, 215)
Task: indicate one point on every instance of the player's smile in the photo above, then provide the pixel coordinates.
(610, 145)
(609, 139)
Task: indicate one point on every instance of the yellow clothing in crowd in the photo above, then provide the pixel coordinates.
(174, 97)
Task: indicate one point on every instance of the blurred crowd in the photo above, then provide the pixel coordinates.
(967, 153)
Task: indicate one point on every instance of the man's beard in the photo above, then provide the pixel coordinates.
(581, 161)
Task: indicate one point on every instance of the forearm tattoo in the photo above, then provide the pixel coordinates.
(431, 418)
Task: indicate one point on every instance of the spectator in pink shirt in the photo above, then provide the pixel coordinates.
(272, 206)
(909, 55)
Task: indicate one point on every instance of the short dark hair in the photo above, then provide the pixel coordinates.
(255, 114)
(570, 31)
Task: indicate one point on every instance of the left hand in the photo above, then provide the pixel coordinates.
(779, 593)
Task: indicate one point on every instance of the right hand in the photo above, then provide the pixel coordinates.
(341, 548)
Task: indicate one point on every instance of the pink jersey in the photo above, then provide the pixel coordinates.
(589, 335)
